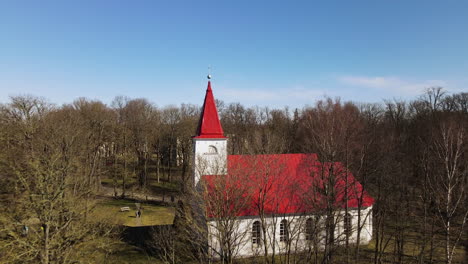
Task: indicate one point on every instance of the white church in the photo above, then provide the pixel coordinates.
(275, 203)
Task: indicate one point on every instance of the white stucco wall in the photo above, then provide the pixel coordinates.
(297, 235)
(205, 161)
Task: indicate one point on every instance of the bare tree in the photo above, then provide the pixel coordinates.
(227, 198)
(332, 130)
(449, 183)
(47, 221)
(187, 124)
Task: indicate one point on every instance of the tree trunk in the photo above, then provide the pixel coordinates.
(45, 252)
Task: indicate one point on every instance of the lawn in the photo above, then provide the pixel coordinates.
(152, 214)
(155, 186)
(127, 254)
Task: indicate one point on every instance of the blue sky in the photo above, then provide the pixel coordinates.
(268, 53)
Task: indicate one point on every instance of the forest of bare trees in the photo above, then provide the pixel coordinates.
(411, 156)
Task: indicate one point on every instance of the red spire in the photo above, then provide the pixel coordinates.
(209, 125)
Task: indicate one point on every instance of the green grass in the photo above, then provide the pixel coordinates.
(127, 254)
(119, 252)
(164, 186)
(110, 182)
(156, 187)
(109, 209)
(412, 248)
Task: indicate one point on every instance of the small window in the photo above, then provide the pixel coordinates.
(309, 229)
(347, 224)
(212, 150)
(284, 234)
(256, 234)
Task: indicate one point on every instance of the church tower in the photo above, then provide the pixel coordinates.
(209, 143)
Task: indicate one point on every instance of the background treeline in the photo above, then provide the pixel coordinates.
(410, 156)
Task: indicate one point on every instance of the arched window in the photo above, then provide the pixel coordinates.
(256, 234)
(284, 234)
(347, 224)
(309, 229)
(212, 150)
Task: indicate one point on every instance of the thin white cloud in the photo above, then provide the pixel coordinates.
(391, 84)
(297, 93)
(250, 95)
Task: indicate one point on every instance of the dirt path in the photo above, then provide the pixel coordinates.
(109, 192)
(138, 221)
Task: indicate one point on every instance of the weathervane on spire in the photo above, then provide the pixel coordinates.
(209, 73)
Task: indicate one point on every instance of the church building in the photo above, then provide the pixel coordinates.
(274, 203)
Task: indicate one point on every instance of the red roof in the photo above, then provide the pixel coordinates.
(281, 184)
(209, 125)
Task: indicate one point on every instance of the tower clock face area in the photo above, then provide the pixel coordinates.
(211, 147)
(212, 150)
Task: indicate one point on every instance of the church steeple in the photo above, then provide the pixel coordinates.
(209, 144)
(209, 125)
